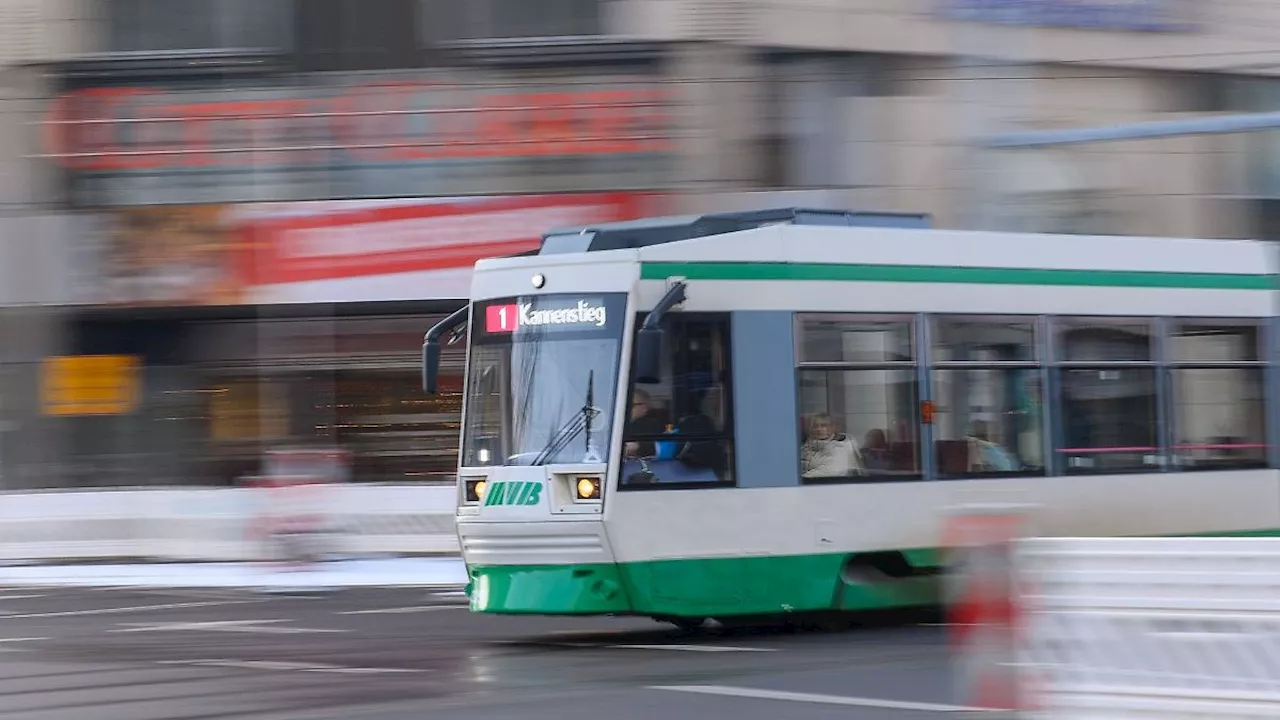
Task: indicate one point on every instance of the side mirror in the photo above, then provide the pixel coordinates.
(430, 365)
(648, 369)
(431, 347)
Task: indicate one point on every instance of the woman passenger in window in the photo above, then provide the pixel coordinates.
(826, 453)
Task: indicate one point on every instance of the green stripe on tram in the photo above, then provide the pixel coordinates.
(942, 274)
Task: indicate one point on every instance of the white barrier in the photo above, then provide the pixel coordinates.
(214, 524)
(1150, 628)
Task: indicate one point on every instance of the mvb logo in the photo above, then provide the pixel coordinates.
(514, 493)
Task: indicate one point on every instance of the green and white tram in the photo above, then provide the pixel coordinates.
(769, 413)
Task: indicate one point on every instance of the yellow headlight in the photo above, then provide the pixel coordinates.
(588, 488)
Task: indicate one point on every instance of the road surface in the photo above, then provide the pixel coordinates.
(397, 654)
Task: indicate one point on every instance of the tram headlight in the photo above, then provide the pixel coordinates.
(475, 490)
(588, 488)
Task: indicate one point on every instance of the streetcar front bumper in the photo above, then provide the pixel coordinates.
(547, 590)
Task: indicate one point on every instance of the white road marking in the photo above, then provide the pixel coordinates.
(203, 625)
(21, 597)
(401, 610)
(6, 644)
(136, 608)
(740, 692)
(243, 626)
(695, 648)
(213, 594)
(603, 646)
(280, 665)
(1210, 635)
(542, 643)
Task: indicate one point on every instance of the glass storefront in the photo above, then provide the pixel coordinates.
(234, 390)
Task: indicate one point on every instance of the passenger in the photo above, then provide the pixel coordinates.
(826, 453)
(708, 454)
(642, 422)
(985, 455)
(875, 450)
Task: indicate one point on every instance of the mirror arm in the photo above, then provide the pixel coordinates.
(431, 347)
(648, 363)
(675, 295)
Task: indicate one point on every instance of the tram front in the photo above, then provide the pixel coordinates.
(539, 419)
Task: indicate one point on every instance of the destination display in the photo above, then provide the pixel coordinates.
(508, 318)
(549, 313)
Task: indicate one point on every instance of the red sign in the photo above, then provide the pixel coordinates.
(362, 238)
(150, 129)
(500, 318)
(327, 251)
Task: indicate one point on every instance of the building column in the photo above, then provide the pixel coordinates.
(36, 285)
(716, 90)
(31, 443)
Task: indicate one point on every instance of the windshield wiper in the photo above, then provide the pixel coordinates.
(580, 421)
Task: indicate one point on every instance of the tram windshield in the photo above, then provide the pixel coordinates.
(541, 379)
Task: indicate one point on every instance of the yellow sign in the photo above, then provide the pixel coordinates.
(90, 384)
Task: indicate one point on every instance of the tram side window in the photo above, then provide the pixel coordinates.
(680, 430)
(987, 396)
(1107, 396)
(1218, 395)
(858, 398)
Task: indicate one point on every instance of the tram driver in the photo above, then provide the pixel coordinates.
(642, 422)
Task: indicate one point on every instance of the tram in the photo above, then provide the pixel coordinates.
(772, 412)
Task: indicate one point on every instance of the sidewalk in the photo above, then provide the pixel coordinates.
(390, 572)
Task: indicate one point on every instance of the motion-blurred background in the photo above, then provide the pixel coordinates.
(248, 211)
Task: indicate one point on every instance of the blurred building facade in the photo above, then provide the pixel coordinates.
(255, 208)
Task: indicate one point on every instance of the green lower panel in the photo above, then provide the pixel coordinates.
(1238, 534)
(547, 589)
(734, 586)
(711, 587)
(693, 588)
(921, 591)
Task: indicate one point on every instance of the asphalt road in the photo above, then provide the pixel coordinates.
(399, 654)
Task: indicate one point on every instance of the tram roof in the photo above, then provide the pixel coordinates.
(661, 230)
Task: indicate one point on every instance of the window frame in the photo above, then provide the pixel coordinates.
(115, 15)
(1037, 364)
(919, 389)
(473, 22)
(391, 52)
(1259, 364)
(1060, 367)
(726, 437)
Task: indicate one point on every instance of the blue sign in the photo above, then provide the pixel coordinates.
(1131, 15)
